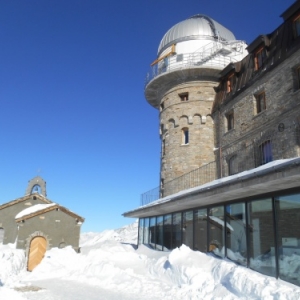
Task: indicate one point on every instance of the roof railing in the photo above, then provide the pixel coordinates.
(235, 159)
(215, 55)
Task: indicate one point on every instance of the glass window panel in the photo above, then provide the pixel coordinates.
(176, 230)
(146, 231)
(159, 233)
(216, 230)
(200, 217)
(236, 233)
(141, 231)
(152, 232)
(288, 222)
(265, 152)
(297, 26)
(261, 237)
(187, 228)
(167, 232)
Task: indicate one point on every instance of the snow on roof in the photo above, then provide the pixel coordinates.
(33, 209)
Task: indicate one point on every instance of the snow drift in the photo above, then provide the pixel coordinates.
(111, 267)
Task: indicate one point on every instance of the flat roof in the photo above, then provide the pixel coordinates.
(272, 177)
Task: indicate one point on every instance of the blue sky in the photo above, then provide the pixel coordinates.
(72, 106)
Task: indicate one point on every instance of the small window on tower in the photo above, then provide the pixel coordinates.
(162, 106)
(185, 136)
(184, 96)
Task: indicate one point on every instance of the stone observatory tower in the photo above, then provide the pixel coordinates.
(181, 85)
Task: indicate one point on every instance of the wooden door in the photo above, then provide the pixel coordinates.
(37, 250)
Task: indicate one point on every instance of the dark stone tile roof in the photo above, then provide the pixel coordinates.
(279, 45)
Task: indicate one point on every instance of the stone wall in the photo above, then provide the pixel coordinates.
(279, 122)
(178, 158)
(8, 214)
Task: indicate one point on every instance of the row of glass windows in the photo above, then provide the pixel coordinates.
(262, 234)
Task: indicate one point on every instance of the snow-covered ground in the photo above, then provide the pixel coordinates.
(110, 267)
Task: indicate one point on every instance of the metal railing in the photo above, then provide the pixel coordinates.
(191, 179)
(213, 55)
(234, 159)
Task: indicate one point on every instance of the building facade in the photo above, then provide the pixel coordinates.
(36, 224)
(230, 186)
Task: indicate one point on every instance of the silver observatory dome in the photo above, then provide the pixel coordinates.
(197, 27)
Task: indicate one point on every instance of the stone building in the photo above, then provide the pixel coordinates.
(230, 165)
(35, 224)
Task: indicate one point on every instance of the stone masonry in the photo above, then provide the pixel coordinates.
(178, 158)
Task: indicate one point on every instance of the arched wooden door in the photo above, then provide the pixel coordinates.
(37, 249)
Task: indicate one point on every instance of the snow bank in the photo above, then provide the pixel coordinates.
(110, 264)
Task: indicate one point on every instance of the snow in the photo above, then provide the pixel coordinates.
(33, 209)
(111, 267)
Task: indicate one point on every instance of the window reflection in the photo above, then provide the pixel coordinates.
(288, 214)
(200, 217)
(146, 231)
(249, 233)
(216, 230)
(159, 233)
(152, 232)
(167, 232)
(261, 237)
(176, 230)
(236, 233)
(187, 228)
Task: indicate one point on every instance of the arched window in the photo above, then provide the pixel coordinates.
(185, 136)
(36, 189)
